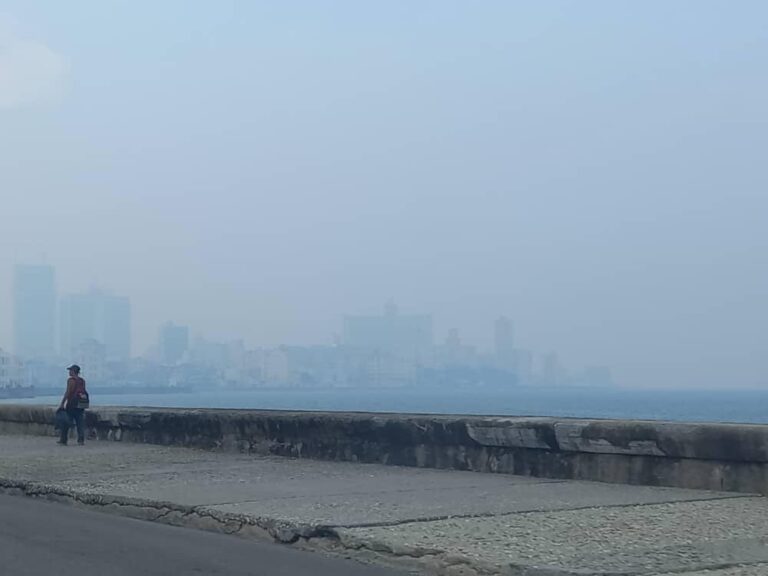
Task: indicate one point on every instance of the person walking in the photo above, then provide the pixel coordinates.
(75, 401)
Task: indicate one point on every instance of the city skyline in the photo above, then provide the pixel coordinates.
(98, 314)
(385, 349)
(141, 344)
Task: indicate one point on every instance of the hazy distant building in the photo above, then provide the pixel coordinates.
(312, 365)
(253, 368)
(552, 371)
(455, 353)
(218, 355)
(91, 355)
(403, 336)
(285, 366)
(504, 344)
(361, 368)
(99, 316)
(274, 369)
(386, 350)
(173, 343)
(34, 311)
(12, 374)
(524, 366)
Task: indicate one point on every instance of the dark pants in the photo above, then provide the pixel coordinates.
(77, 416)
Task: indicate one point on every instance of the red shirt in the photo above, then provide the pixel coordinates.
(75, 384)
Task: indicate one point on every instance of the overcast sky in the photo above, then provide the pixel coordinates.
(595, 170)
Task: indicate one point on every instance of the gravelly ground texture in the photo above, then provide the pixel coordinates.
(638, 539)
(753, 570)
(446, 522)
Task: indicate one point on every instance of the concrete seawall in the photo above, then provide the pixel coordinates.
(728, 457)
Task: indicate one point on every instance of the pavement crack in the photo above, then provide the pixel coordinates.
(685, 570)
(270, 497)
(400, 522)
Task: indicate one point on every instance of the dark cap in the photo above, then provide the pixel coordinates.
(74, 367)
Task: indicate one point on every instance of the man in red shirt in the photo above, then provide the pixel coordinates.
(75, 386)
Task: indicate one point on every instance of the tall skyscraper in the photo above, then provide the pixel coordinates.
(34, 311)
(99, 316)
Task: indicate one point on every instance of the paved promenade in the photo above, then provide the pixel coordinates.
(434, 521)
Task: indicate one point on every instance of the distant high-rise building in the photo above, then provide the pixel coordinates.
(173, 343)
(504, 343)
(34, 311)
(97, 316)
(404, 336)
(386, 350)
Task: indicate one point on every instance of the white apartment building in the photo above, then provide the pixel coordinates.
(12, 373)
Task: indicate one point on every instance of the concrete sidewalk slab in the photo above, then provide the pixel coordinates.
(631, 539)
(449, 521)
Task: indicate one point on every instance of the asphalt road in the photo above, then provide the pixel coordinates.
(46, 539)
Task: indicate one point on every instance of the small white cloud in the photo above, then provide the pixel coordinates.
(30, 72)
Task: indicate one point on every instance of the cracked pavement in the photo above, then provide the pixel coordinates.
(448, 522)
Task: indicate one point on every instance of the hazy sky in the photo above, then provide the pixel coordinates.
(597, 170)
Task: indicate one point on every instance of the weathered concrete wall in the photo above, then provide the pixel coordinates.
(705, 456)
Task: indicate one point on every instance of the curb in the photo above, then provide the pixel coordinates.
(168, 512)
